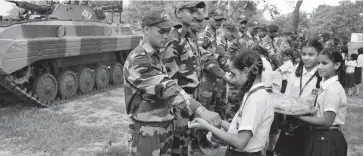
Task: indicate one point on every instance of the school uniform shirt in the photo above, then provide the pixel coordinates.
(256, 115)
(332, 98)
(277, 82)
(286, 69)
(359, 61)
(267, 73)
(350, 66)
(293, 85)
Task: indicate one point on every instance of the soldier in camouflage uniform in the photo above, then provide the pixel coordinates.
(249, 39)
(284, 42)
(242, 24)
(214, 86)
(210, 68)
(153, 100)
(229, 43)
(183, 61)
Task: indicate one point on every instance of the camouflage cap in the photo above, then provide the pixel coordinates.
(232, 29)
(272, 28)
(190, 4)
(242, 19)
(253, 24)
(263, 27)
(216, 14)
(158, 18)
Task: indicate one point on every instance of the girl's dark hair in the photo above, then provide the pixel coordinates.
(296, 54)
(289, 52)
(250, 59)
(335, 55)
(314, 43)
(360, 51)
(354, 56)
(261, 51)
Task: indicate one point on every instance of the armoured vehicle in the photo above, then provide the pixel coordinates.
(61, 52)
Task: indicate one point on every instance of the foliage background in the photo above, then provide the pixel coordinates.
(340, 21)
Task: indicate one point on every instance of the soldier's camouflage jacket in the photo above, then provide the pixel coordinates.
(283, 44)
(208, 39)
(183, 61)
(150, 94)
(247, 41)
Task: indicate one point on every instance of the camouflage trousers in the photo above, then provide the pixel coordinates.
(219, 98)
(233, 102)
(181, 133)
(150, 139)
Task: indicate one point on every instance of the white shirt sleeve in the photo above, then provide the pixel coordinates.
(284, 67)
(251, 115)
(359, 61)
(331, 101)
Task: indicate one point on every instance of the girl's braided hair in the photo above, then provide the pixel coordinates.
(248, 59)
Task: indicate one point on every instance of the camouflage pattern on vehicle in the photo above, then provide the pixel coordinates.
(62, 52)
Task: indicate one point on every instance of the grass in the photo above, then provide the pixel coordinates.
(353, 130)
(45, 131)
(55, 131)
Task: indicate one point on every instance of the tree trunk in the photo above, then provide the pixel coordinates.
(296, 15)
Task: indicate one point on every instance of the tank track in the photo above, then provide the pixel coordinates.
(32, 98)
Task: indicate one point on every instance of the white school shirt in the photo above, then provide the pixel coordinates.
(350, 66)
(286, 69)
(293, 86)
(332, 98)
(257, 116)
(359, 61)
(267, 73)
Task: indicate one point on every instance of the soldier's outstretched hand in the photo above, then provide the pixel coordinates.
(211, 117)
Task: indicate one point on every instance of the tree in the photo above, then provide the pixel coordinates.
(341, 20)
(284, 22)
(296, 15)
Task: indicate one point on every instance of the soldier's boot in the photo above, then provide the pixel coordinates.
(195, 149)
(205, 143)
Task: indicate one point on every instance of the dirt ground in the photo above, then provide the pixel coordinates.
(97, 125)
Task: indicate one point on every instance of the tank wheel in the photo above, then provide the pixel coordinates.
(86, 80)
(67, 84)
(117, 73)
(45, 87)
(102, 76)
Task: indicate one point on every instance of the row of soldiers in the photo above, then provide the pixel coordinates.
(181, 71)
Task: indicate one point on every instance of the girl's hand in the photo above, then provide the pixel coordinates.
(198, 123)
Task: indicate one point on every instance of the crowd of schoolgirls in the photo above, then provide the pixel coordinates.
(315, 72)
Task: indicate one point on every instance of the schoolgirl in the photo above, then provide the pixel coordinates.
(272, 83)
(325, 137)
(358, 71)
(350, 64)
(248, 132)
(303, 83)
(286, 68)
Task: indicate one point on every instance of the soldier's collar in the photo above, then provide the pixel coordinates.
(148, 48)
